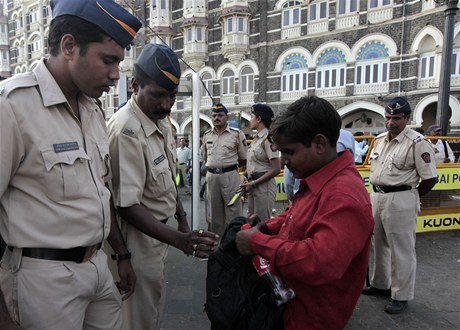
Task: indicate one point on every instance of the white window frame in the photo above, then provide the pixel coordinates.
(455, 65)
(189, 34)
(427, 66)
(290, 10)
(348, 4)
(375, 71)
(229, 24)
(228, 83)
(199, 33)
(207, 82)
(376, 4)
(241, 25)
(294, 80)
(316, 8)
(331, 76)
(247, 81)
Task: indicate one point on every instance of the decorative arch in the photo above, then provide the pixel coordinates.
(34, 36)
(33, 65)
(294, 51)
(188, 120)
(337, 45)
(174, 123)
(253, 65)
(280, 3)
(361, 105)
(454, 105)
(432, 31)
(387, 43)
(224, 67)
(209, 70)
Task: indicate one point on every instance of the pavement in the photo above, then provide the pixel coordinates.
(437, 292)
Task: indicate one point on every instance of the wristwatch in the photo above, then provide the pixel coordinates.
(119, 257)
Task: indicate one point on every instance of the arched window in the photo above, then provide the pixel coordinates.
(372, 64)
(247, 80)
(207, 81)
(294, 76)
(291, 13)
(330, 69)
(228, 83)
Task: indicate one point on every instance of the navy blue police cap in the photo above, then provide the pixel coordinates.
(159, 63)
(113, 19)
(398, 105)
(219, 107)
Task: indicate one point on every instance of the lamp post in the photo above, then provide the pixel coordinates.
(442, 112)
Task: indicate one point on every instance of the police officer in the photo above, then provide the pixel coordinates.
(263, 164)
(224, 150)
(400, 158)
(143, 157)
(54, 205)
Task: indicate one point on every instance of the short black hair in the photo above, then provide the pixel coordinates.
(265, 112)
(305, 118)
(84, 33)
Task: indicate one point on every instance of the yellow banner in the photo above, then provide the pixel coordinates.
(280, 191)
(448, 179)
(438, 222)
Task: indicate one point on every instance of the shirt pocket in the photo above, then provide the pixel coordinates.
(66, 175)
(399, 164)
(162, 181)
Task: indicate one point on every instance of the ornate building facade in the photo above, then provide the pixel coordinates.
(356, 53)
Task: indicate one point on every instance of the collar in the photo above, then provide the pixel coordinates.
(51, 92)
(400, 136)
(226, 129)
(318, 180)
(262, 133)
(147, 124)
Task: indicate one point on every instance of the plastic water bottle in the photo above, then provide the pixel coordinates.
(283, 293)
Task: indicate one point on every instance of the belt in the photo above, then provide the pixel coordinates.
(389, 189)
(256, 175)
(181, 163)
(78, 254)
(220, 170)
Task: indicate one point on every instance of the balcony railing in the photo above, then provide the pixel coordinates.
(290, 32)
(372, 88)
(318, 27)
(331, 92)
(380, 15)
(246, 98)
(294, 95)
(347, 21)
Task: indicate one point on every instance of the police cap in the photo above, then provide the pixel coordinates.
(159, 63)
(113, 19)
(398, 105)
(219, 107)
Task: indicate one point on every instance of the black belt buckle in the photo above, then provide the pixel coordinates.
(379, 189)
(218, 170)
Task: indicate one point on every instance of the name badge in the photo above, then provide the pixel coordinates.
(159, 159)
(67, 146)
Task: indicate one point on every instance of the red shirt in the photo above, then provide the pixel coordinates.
(320, 246)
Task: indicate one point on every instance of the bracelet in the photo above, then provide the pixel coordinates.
(119, 257)
(253, 183)
(180, 215)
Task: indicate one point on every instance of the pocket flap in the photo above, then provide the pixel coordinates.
(51, 158)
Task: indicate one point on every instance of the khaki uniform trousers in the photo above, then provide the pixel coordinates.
(395, 216)
(220, 190)
(144, 309)
(261, 200)
(57, 295)
(183, 173)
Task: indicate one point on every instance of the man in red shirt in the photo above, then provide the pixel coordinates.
(320, 245)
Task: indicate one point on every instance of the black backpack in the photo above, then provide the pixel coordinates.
(236, 297)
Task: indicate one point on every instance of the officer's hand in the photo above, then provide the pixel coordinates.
(200, 243)
(247, 186)
(243, 241)
(127, 279)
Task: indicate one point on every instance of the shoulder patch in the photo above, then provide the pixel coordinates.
(426, 157)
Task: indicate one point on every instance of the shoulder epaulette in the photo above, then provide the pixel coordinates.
(235, 129)
(208, 131)
(23, 80)
(381, 135)
(131, 127)
(414, 136)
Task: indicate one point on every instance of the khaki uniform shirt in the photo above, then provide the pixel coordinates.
(143, 157)
(260, 152)
(52, 166)
(403, 160)
(225, 149)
